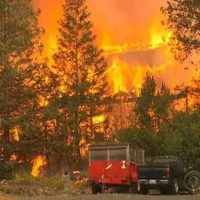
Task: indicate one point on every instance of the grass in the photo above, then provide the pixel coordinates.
(55, 182)
(24, 184)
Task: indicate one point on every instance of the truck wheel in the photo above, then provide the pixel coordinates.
(164, 190)
(191, 192)
(174, 187)
(96, 188)
(133, 188)
(143, 189)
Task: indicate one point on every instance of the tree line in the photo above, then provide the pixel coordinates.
(51, 112)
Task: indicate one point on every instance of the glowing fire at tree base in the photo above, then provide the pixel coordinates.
(38, 163)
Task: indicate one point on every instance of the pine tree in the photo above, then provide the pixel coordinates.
(153, 107)
(144, 104)
(21, 75)
(81, 76)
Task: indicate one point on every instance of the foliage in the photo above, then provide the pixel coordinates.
(140, 138)
(153, 107)
(151, 111)
(5, 171)
(181, 137)
(82, 83)
(22, 79)
(183, 18)
(53, 182)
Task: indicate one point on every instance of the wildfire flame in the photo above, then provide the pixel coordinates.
(43, 102)
(15, 132)
(98, 119)
(132, 37)
(13, 158)
(38, 163)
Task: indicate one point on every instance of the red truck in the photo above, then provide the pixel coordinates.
(114, 167)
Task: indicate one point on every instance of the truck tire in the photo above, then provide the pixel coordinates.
(96, 188)
(164, 190)
(174, 187)
(133, 188)
(143, 189)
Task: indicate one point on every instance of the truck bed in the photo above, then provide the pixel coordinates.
(153, 172)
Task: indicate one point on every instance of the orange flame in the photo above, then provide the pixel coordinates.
(132, 37)
(13, 157)
(15, 132)
(43, 102)
(38, 163)
(98, 119)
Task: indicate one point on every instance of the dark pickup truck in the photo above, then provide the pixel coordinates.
(166, 174)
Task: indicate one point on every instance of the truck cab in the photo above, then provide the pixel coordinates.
(166, 174)
(114, 166)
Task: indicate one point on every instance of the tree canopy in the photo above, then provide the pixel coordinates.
(22, 76)
(153, 107)
(83, 86)
(183, 17)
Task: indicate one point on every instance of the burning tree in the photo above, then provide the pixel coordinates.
(21, 76)
(81, 77)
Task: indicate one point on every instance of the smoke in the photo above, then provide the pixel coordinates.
(125, 21)
(51, 12)
(133, 24)
(115, 21)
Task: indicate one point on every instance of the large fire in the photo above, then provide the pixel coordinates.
(134, 43)
(132, 37)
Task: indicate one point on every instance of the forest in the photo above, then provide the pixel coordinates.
(51, 113)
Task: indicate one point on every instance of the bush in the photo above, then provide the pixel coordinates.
(6, 171)
(53, 182)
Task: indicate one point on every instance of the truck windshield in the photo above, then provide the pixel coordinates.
(167, 161)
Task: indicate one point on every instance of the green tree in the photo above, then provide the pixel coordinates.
(183, 18)
(181, 136)
(153, 107)
(81, 77)
(21, 75)
(163, 108)
(151, 111)
(37, 122)
(143, 108)
(140, 138)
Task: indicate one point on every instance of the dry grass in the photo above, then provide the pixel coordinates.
(105, 197)
(25, 185)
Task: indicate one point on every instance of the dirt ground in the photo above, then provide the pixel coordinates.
(106, 197)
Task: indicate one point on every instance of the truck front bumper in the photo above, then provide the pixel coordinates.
(153, 181)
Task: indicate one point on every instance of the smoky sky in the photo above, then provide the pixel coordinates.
(125, 21)
(115, 21)
(119, 22)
